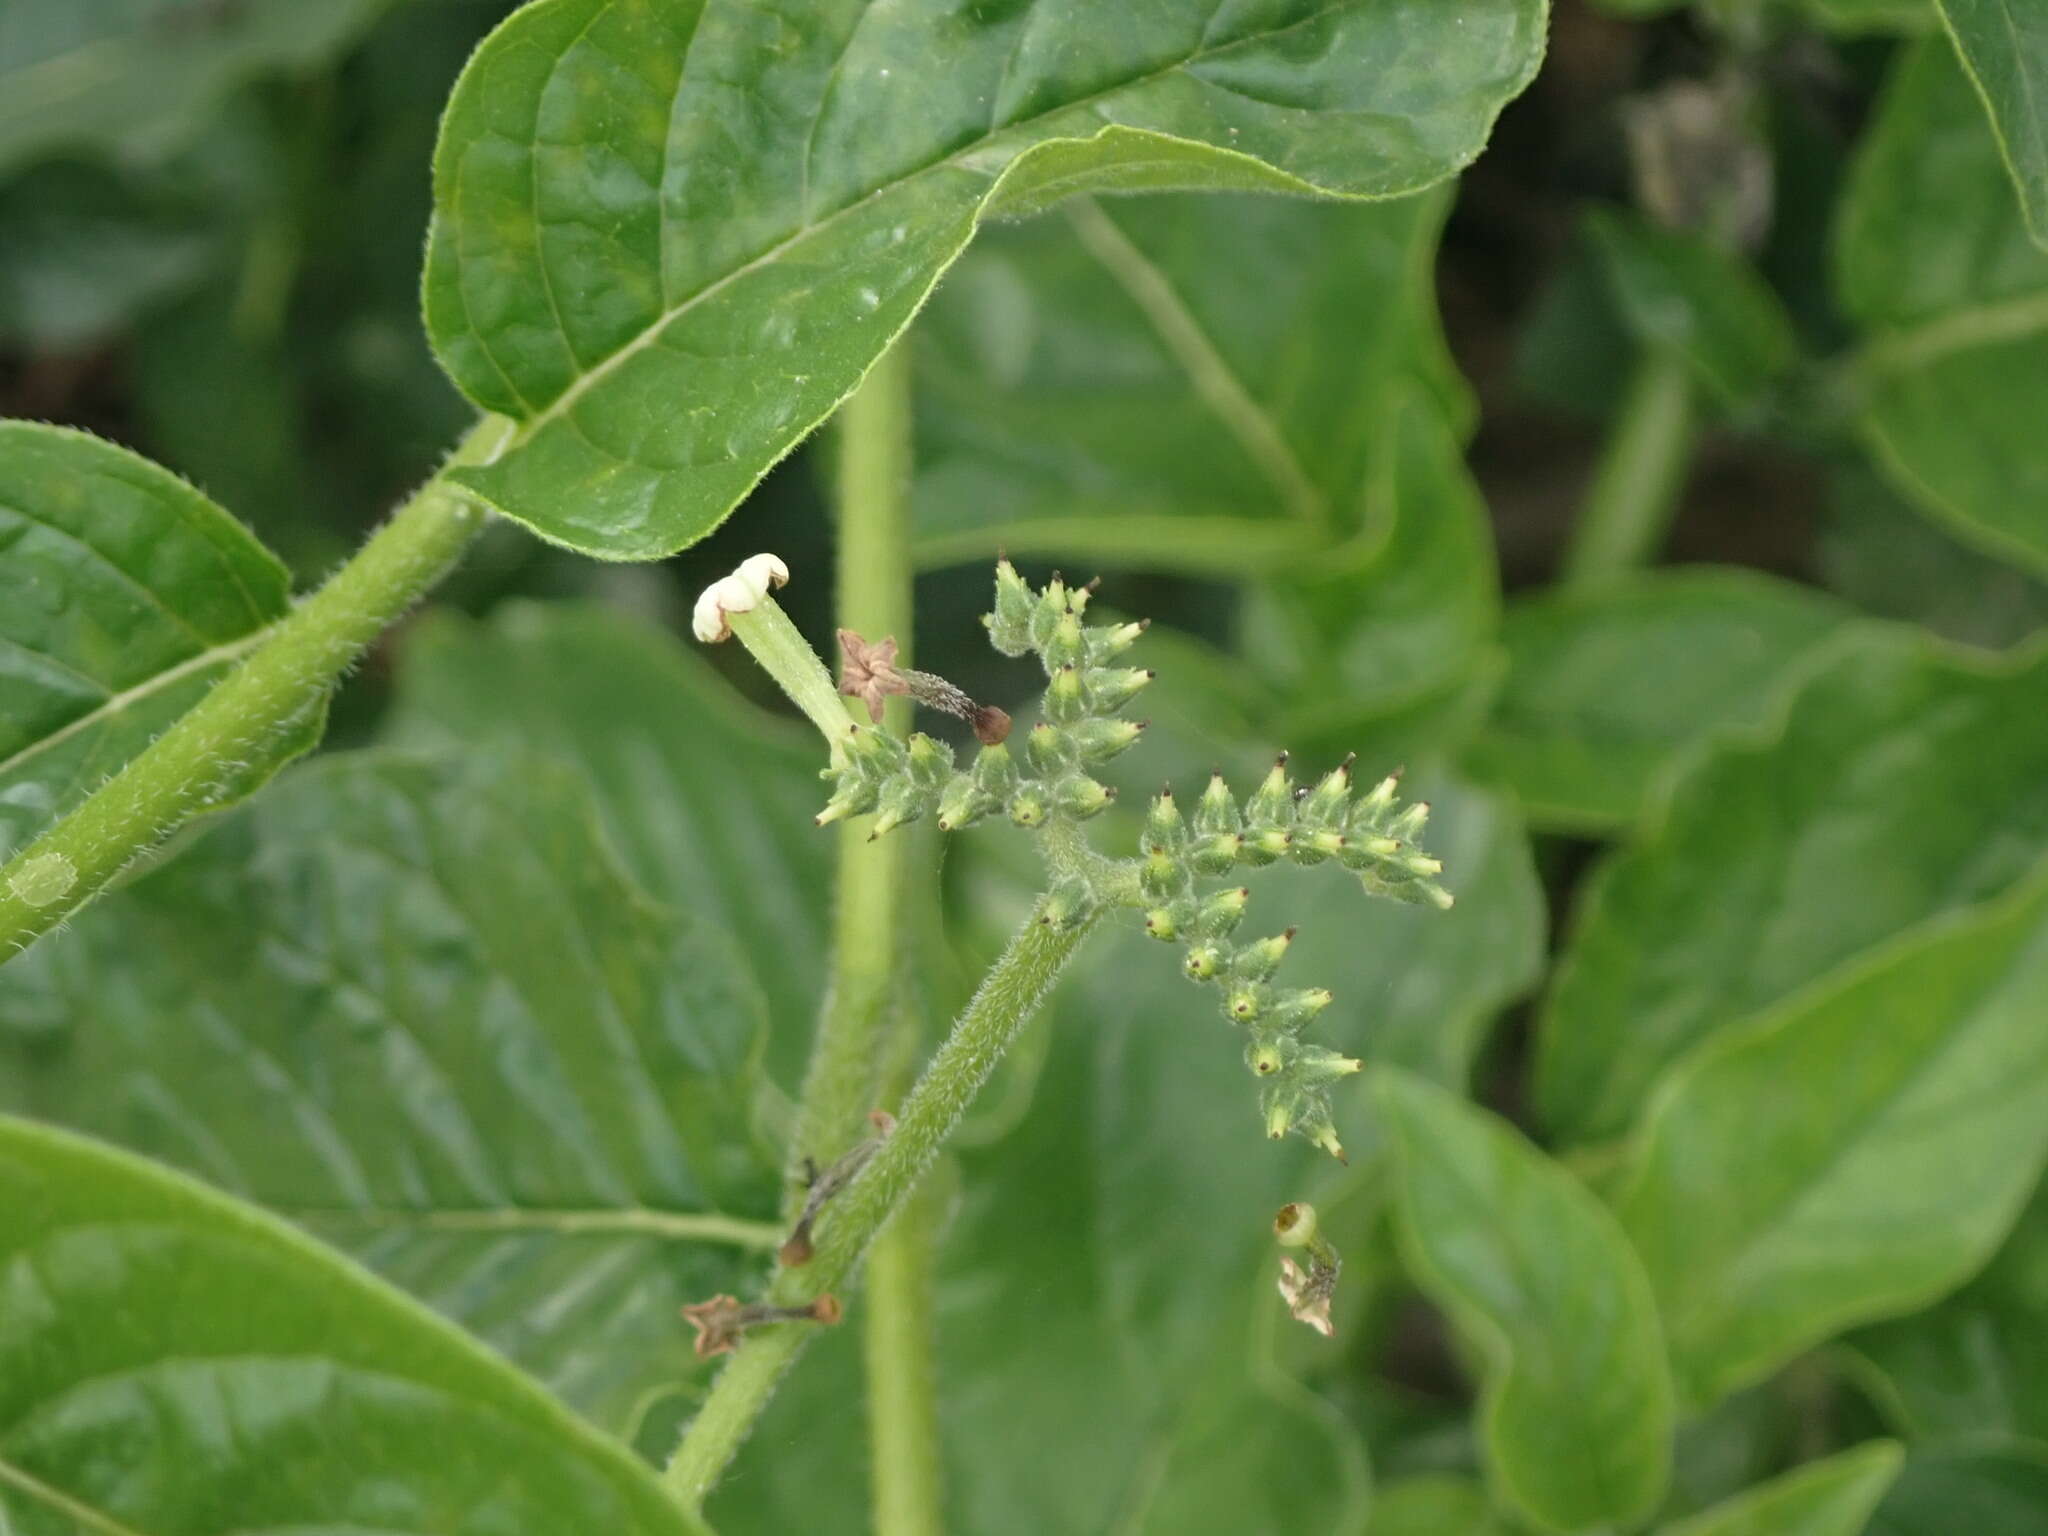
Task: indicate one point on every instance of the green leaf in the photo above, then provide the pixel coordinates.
(1400, 616)
(173, 1360)
(667, 750)
(1833, 1497)
(1191, 383)
(124, 595)
(1434, 1505)
(1577, 1412)
(421, 1012)
(1976, 1366)
(671, 237)
(1606, 691)
(1852, 1154)
(2004, 46)
(1992, 1491)
(1877, 552)
(134, 78)
(1933, 259)
(1678, 290)
(1903, 779)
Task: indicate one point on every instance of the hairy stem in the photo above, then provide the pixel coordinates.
(1642, 468)
(1008, 997)
(181, 773)
(874, 597)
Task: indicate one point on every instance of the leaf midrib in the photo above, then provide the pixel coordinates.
(115, 703)
(565, 402)
(709, 1226)
(57, 1499)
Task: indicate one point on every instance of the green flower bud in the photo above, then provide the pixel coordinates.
(1111, 688)
(1204, 962)
(1314, 847)
(1219, 912)
(1097, 741)
(1009, 627)
(1246, 1002)
(1165, 831)
(1048, 749)
(931, 762)
(1376, 803)
(1272, 803)
(1081, 797)
(1064, 700)
(902, 800)
(1258, 960)
(1327, 804)
(1161, 875)
(1064, 647)
(1216, 854)
(963, 802)
(1108, 640)
(1407, 826)
(1313, 1064)
(1262, 845)
(1171, 920)
(1067, 905)
(995, 772)
(1046, 614)
(1027, 806)
(1292, 1010)
(851, 796)
(1266, 1057)
(1217, 810)
(1295, 1225)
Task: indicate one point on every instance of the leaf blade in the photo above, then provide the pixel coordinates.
(746, 294)
(228, 1318)
(1830, 1497)
(1577, 1414)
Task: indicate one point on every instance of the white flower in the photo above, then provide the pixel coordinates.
(740, 592)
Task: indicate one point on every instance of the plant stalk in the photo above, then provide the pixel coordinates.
(1006, 1000)
(874, 597)
(1636, 484)
(183, 772)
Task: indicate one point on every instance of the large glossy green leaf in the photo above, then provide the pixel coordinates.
(1851, 1154)
(670, 236)
(1678, 290)
(1833, 1497)
(136, 77)
(1606, 691)
(706, 799)
(1976, 1366)
(1903, 779)
(124, 595)
(172, 1360)
(1192, 383)
(1933, 259)
(419, 1010)
(1577, 1416)
(1990, 1491)
(2004, 46)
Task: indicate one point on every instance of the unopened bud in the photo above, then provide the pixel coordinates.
(1046, 614)
(1106, 641)
(1009, 627)
(1064, 700)
(1111, 688)
(1293, 1009)
(1048, 749)
(1097, 741)
(1220, 911)
(1028, 807)
(1204, 961)
(1165, 830)
(1067, 905)
(1081, 797)
(1265, 1057)
(1272, 803)
(1261, 958)
(1064, 647)
(1326, 804)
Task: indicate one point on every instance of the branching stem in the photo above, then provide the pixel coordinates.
(182, 773)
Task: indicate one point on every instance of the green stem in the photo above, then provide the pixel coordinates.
(181, 774)
(1641, 471)
(1008, 997)
(874, 597)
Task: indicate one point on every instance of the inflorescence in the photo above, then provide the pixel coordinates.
(1081, 728)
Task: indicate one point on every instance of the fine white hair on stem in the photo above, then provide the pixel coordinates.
(740, 592)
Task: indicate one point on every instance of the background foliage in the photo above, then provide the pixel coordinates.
(1695, 1179)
